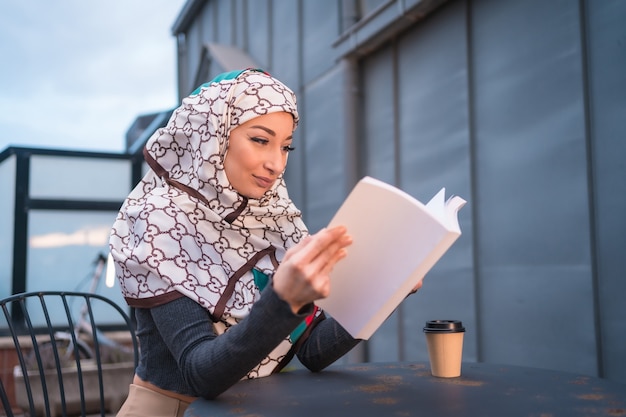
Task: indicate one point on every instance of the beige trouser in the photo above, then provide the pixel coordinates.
(143, 402)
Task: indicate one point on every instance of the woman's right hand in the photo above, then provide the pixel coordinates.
(303, 275)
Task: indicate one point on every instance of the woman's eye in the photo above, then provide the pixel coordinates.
(288, 148)
(259, 140)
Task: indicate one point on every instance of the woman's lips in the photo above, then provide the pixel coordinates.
(264, 182)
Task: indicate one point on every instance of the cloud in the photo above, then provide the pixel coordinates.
(98, 236)
(76, 74)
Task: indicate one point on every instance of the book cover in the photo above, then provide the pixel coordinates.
(396, 241)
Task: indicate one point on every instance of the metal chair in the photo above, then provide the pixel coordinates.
(66, 364)
(5, 400)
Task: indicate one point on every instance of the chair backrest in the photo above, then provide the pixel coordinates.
(67, 365)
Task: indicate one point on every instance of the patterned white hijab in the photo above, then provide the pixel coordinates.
(184, 230)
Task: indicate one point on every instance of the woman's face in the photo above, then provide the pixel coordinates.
(257, 153)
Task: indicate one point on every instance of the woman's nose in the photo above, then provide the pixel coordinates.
(275, 161)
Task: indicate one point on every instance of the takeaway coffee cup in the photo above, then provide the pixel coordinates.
(445, 347)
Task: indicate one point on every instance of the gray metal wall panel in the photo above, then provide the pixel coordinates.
(258, 31)
(320, 27)
(532, 185)
(240, 14)
(225, 22)
(607, 80)
(324, 151)
(378, 147)
(433, 105)
(286, 44)
(194, 42)
(434, 152)
(538, 316)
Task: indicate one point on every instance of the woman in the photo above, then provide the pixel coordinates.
(214, 256)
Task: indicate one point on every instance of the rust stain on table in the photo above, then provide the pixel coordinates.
(374, 388)
(591, 396)
(459, 381)
(385, 400)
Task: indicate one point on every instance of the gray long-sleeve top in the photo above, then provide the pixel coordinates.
(181, 352)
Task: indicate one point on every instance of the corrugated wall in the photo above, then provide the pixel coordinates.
(519, 106)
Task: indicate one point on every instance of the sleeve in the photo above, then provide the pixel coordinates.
(210, 364)
(326, 343)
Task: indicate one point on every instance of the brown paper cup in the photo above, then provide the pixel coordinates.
(445, 347)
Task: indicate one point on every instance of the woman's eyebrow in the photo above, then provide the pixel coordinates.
(266, 129)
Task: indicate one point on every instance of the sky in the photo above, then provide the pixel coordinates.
(75, 74)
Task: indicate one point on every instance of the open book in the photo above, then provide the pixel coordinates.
(396, 241)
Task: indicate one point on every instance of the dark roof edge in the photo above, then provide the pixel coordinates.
(187, 15)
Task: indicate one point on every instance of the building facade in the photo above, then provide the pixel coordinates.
(518, 106)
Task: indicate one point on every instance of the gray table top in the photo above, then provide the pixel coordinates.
(408, 389)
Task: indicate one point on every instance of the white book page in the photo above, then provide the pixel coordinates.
(446, 211)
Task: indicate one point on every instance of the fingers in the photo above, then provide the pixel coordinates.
(335, 257)
(323, 252)
(303, 274)
(322, 247)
